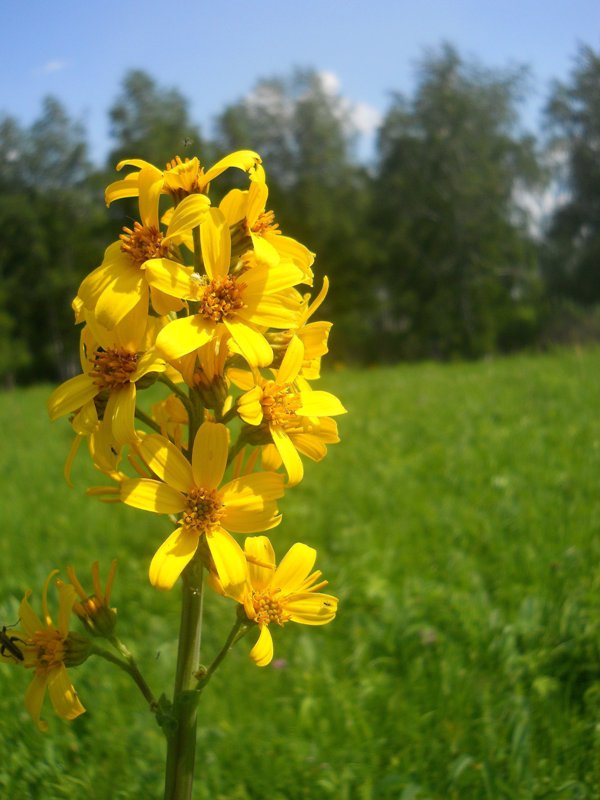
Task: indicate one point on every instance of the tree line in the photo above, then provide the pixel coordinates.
(432, 248)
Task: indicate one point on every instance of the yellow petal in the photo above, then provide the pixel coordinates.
(249, 407)
(270, 458)
(230, 561)
(261, 280)
(216, 244)
(253, 345)
(246, 160)
(151, 495)
(310, 608)
(172, 557)
(29, 619)
(71, 395)
(294, 567)
(190, 213)
(125, 187)
(262, 652)
(309, 445)
(289, 455)
(150, 183)
(120, 410)
(292, 361)
(34, 700)
(171, 278)
(184, 335)
(233, 206)
(120, 297)
(62, 694)
(209, 455)
(252, 491)
(261, 561)
(166, 461)
(251, 520)
(320, 404)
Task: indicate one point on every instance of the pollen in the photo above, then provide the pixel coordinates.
(265, 223)
(203, 512)
(113, 368)
(280, 403)
(221, 299)
(268, 609)
(143, 243)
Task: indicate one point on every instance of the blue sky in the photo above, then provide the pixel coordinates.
(213, 52)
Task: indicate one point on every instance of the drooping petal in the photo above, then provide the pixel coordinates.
(230, 561)
(120, 410)
(63, 696)
(233, 206)
(71, 395)
(209, 455)
(289, 455)
(249, 407)
(121, 296)
(34, 700)
(184, 335)
(172, 557)
(166, 461)
(66, 598)
(150, 183)
(294, 567)
(151, 495)
(253, 345)
(309, 445)
(262, 652)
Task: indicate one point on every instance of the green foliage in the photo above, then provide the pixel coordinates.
(572, 250)
(457, 521)
(457, 270)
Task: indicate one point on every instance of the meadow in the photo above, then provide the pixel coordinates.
(458, 523)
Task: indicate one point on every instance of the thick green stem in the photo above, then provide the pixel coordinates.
(143, 417)
(181, 743)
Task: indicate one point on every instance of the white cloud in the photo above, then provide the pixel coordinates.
(53, 66)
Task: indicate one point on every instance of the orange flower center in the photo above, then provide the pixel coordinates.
(222, 297)
(265, 223)
(113, 368)
(203, 511)
(280, 402)
(268, 609)
(49, 648)
(143, 243)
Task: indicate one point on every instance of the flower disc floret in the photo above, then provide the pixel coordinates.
(280, 402)
(268, 609)
(113, 367)
(203, 512)
(143, 243)
(221, 299)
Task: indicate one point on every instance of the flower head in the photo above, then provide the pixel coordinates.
(48, 649)
(274, 595)
(94, 610)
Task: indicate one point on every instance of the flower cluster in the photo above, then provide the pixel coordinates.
(212, 302)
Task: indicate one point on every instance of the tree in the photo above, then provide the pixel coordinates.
(150, 122)
(572, 254)
(457, 265)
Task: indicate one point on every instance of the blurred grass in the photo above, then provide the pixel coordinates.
(458, 522)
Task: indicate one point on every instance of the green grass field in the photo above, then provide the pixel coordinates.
(457, 521)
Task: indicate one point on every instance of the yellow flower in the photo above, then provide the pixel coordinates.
(243, 302)
(208, 510)
(113, 362)
(119, 284)
(48, 650)
(248, 208)
(179, 178)
(281, 594)
(295, 418)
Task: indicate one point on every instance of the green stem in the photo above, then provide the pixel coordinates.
(239, 629)
(130, 667)
(181, 744)
(141, 415)
(177, 391)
